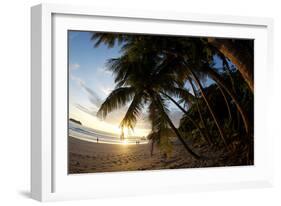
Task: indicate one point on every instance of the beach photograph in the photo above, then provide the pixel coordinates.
(150, 102)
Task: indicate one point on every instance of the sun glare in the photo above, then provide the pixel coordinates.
(125, 142)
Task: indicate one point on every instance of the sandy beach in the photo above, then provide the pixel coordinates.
(88, 157)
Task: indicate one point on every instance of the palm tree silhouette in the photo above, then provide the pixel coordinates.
(153, 70)
(139, 83)
(240, 52)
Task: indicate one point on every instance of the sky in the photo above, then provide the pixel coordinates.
(90, 82)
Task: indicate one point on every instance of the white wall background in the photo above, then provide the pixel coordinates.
(15, 101)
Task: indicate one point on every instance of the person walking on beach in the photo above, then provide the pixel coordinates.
(97, 140)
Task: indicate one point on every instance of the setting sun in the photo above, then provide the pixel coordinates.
(125, 142)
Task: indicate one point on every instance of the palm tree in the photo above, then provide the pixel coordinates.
(231, 93)
(240, 52)
(178, 58)
(190, 49)
(196, 56)
(139, 84)
(226, 68)
(213, 114)
(197, 126)
(199, 110)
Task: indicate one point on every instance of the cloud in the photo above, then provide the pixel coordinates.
(74, 66)
(115, 117)
(92, 111)
(106, 90)
(104, 70)
(93, 97)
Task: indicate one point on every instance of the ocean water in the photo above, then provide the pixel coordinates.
(88, 134)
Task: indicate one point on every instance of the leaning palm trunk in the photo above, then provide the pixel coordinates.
(221, 82)
(186, 114)
(199, 111)
(226, 103)
(225, 63)
(243, 62)
(215, 118)
(169, 121)
(227, 69)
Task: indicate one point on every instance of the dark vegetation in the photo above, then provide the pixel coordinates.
(155, 71)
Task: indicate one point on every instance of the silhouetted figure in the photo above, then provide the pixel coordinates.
(97, 140)
(164, 156)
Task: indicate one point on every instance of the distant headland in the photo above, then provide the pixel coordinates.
(75, 121)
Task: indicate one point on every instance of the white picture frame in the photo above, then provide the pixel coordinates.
(49, 179)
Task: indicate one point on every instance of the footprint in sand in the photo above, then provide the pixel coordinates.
(114, 161)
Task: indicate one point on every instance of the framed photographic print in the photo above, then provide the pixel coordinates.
(135, 102)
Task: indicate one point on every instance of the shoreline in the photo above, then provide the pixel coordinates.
(92, 140)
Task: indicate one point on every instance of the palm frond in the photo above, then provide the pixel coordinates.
(115, 100)
(182, 94)
(109, 39)
(133, 112)
(121, 68)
